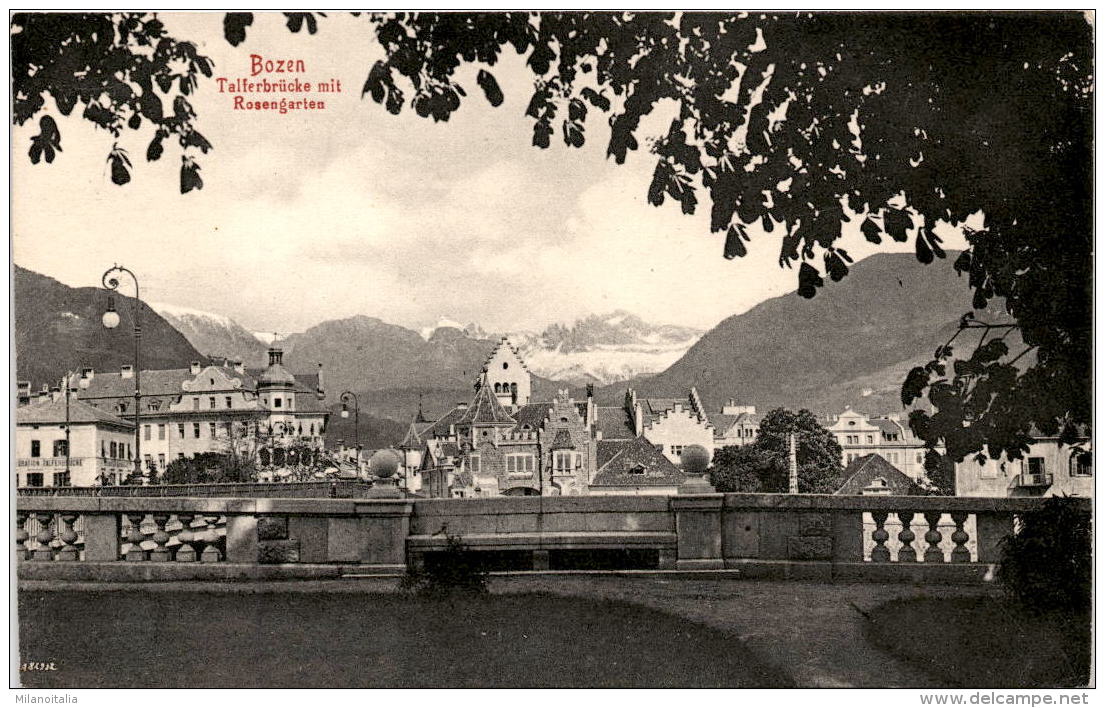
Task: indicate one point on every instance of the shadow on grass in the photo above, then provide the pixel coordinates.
(134, 639)
(974, 642)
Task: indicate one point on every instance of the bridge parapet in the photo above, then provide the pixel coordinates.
(809, 537)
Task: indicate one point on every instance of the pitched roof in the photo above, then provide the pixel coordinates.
(412, 440)
(532, 414)
(50, 411)
(440, 428)
(613, 422)
(888, 426)
(308, 403)
(638, 464)
(862, 472)
(605, 450)
(485, 409)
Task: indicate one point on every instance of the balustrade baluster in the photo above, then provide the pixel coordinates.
(933, 554)
(136, 537)
(880, 553)
(960, 554)
(907, 553)
(211, 551)
(161, 538)
(185, 553)
(68, 537)
(21, 535)
(45, 537)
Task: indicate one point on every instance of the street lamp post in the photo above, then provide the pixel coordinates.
(345, 397)
(111, 321)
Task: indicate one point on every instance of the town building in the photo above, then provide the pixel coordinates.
(504, 443)
(97, 449)
(671, 423)
(1049, 468)
(736, 425)
(886, 436)
(873, 475)
(214, 408)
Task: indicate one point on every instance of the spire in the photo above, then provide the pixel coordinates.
(421, 416)
(413, 440)
(485, 408)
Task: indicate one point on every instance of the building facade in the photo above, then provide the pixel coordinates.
(212, 408)
(886, 436)
(97, 449)
(504, 443)
(1049, 468)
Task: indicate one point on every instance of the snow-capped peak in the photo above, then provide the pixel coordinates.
(180, 312)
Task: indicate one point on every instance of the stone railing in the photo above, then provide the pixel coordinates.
(811, 537)
(319, 489)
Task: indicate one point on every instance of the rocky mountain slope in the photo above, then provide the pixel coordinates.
(852, 344)
(59, 328)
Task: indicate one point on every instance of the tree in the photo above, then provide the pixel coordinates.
(819, 454)
(795, 125)
(208, 468)
(738, 468)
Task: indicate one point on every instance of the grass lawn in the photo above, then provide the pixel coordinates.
(975, 642)
(136, 639)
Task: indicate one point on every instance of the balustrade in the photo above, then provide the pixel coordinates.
(856, 538)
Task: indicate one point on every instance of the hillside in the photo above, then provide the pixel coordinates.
(852, 344)
(58, 328)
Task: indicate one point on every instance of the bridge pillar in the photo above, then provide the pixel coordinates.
(698, 531)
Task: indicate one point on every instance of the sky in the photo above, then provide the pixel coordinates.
(318, 215)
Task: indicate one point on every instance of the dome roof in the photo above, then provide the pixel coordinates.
(276, 375)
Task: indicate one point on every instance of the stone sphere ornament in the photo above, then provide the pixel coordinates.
(695, 459)
(383, 464)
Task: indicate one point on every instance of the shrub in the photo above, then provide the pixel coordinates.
(456, 569)
(1047, 565)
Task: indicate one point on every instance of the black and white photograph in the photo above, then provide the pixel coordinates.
(552, 349)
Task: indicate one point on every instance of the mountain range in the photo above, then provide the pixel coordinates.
(59, 329)
(852, 344)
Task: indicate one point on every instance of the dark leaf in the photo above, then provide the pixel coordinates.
(809, 280)
(897, 223)
(871, 230)
(234, 26)
(734, 242)
(490, 87)
(153, 152)
(915, 382)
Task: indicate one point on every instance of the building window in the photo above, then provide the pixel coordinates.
(920, 458)
(196, 430)
(161, 461)
(520, 465)
(1035, 465)
(562, 461)
(180, 430)
(149, 462)
(1080, 464)
(160, 431)
(312, 429)
(676, 450)
(61, 479)
(229, 402)
(36, 449)
(114, 451)
(34, 479)
(211, 429)
(276, 402)
(211, 402)
(195, 403)
(147, 431)
(61, 448)
(122, 407)
(128, 451)
(870, 439)
(103, 449)
(474, 462)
